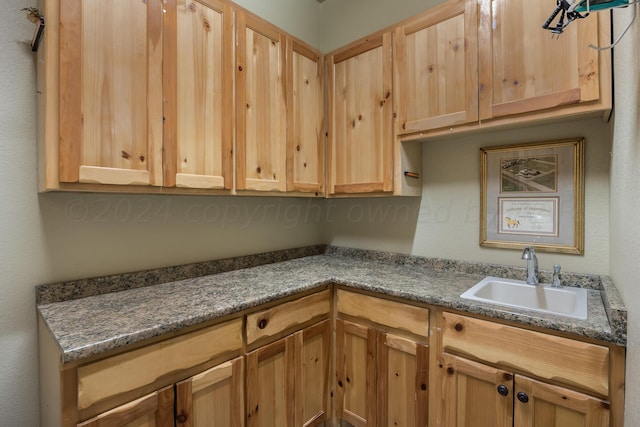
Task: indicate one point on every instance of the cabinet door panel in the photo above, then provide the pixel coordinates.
(111, 92)
(356, 372)
(261, 105)
(470, 394)
(270, 385)
(213, 398)
(361, 134)
(312, 361)
(403, 376)
(198, 79)
(524, 69)
(436, 60)
(153, 410)
(552, 406)
(305, 161)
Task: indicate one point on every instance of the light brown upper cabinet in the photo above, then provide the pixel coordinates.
(305, 115)
(523, 69)
(198, 87)
(110, 92)
(279, 110)
(261, 105)
(361, 133)
(436, 76)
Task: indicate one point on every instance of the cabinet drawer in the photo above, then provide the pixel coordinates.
(393, 314)
(128, 371)
(563, 360)
(272, 321)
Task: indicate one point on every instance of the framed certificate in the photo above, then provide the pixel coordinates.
(533, 194)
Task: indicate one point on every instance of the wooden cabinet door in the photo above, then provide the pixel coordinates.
(356, 365)
(475, 395)
(524, 69)
(312, 364)
(152, 410)
(305, 104)
(261, 128)
(270, 385)
(214, 398)
(403, 377)
(198, 87)
(361, 131)
(436, 62)
(543, 405)
(111, 92)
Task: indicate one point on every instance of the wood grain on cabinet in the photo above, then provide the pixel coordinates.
(402, 381)
(214, 398)
(547, 405)
(356, 367)
(111, 92)
(283, 317)
(381, 311)
(261, 110)
(270, 384)
(198, 90)
(305, 118)
(361, 125)
(312, 365)
(522, 69)
(436, 79)
(561, 360)
(470, 394)
(153, 410)
(108, 377)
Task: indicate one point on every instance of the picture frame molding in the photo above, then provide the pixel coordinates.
(543, 242)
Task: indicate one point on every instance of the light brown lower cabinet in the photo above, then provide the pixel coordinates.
(395, 364)
(382, 379)
(213, 398)
(288, 380)
(478, 395)
(152, 410)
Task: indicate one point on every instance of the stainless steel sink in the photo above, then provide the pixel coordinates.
(568, 302)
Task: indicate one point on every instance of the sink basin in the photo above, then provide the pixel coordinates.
(568, 302)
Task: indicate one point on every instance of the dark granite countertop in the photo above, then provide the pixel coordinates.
(94, 324)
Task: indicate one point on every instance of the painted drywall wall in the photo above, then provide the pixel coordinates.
(446, 223)
(345, 21)
(625, 199)
(21, 248)
(300, 18)
(52, 237)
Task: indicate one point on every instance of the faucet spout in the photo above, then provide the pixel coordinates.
(529, 254)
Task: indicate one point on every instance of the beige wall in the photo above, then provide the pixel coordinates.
(344, 21)
(625, 199)
(298, 17)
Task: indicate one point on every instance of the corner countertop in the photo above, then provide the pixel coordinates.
(91, 325)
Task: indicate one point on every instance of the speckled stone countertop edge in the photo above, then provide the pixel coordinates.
(352, 262)
(78, 353)
(83, 288)
(616, 310)
(579, 280)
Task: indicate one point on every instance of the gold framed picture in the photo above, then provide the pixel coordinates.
(533, 195)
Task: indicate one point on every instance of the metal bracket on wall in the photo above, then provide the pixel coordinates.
(34, 15)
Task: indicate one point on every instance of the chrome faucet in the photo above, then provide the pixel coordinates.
(556, 277)
(532, 265)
